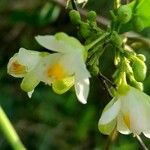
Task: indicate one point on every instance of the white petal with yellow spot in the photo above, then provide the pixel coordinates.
(133, 115)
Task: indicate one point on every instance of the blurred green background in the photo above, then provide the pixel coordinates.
(49, 121)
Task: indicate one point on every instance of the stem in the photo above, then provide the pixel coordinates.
(111, 139)
(144, 147)
(89, 46)
(106, 79)
(9, 132)
(74, 4)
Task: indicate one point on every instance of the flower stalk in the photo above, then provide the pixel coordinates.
(93, 43)
(144, 147)
(9, 132)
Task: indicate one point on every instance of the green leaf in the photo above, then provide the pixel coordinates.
(140, 16)
(62, 86)
(141, 9)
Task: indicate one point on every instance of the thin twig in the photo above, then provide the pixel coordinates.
(106, 79)
(144, 147)
(74, 4)
(105, 82)
(111, 138)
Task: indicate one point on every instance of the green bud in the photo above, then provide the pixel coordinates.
(134, 83)
(124, 14)
(116, 39)
(94, 70)
(138, 85)
(141, 57)
(91, 16)
(85, 30)
(75, 17)
(139, 69)
(138, 24)
(116, 61)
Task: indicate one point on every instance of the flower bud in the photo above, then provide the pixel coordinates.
(75, 17)
(139, 69)
(124, 14)
(138, 24)
(85, 30)
(91, 16)
(116, 39)
(94, 70)
(134, 83)
(141, 57)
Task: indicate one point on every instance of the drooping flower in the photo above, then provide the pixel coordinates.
(23, 65)
(65, 67)
(128, 112)
(62, 70)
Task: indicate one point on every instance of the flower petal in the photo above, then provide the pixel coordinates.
(28, 58)
(30, 81)
(62, 86)
(30, 94)
(140, 121)
(147, 134)
(121, 126)
(82, 89)
(23, 62)
(47, 62)
(111, 113)
(15, 68)
(61, 42)
(107, 128)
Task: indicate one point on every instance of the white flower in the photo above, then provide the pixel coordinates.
(23, 64)
(128, 112)
(68, 64)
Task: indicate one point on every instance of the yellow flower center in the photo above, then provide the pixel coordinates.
(126, 119)
(17, 68)
(56, 71)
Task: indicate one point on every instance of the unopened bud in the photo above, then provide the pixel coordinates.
(85, 30)
(75, 17)
(91, 16)
(139, 69)
(124, 14)
(141, 57)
